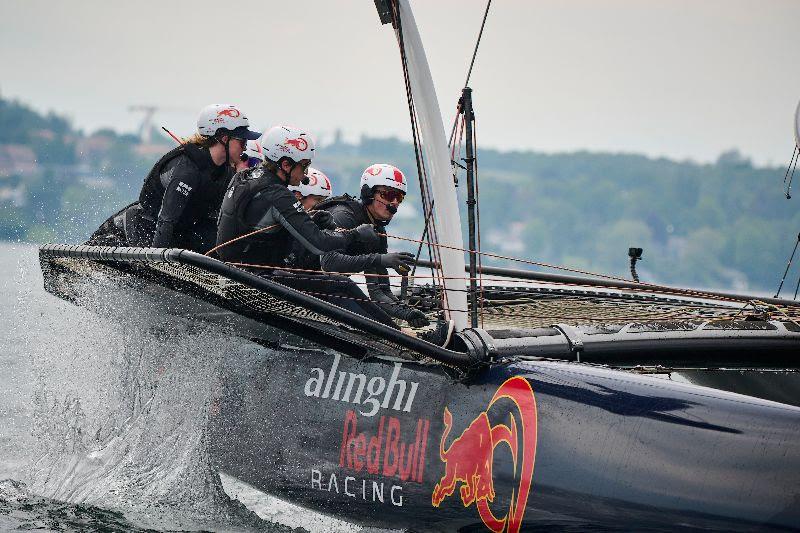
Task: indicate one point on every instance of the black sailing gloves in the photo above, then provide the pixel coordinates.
(399, 261)
(323, 219)
(416, 318)
(402, 263)
(365, 234)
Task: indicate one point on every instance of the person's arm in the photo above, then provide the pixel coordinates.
(336, 261)
(380, 292)
(288, 212)
(180, 182)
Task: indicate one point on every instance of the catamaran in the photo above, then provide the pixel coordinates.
(561, 401)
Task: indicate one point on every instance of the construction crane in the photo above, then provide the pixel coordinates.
(146, 126)
(145, 131)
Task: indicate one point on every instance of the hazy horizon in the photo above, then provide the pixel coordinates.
(679, 79)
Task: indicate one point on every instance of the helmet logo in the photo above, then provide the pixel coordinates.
(312, 180)
(374, 170)
(231, 112)
(299, 143)
(398, 176)
(327, 185)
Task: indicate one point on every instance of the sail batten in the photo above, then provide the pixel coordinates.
(434, 147)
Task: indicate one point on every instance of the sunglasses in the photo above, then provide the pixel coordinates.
(391, 195)
(251, 161)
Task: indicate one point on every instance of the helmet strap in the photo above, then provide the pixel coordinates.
(226, 145)
(305, 179)
(367, 194)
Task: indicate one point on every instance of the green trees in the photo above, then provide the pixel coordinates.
(724, 225)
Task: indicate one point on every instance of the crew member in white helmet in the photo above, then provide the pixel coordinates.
(260, 220)
(181, 196)
(253, 155)
(383, 188)
(316, 190)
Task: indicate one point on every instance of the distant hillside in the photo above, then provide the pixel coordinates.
(712, 225)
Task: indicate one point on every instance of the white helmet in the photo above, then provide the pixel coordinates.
(253, 151)
(226, 117)
(318, 185)
(383, 174)
(287, 141)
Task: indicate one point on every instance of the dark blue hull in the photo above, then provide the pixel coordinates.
(498, 444)
(607, 448)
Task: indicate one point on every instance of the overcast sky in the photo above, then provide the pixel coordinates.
(679, 78)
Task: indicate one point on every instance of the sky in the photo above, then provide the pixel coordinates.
(684, 79)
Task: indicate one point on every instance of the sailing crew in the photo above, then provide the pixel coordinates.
(383, 188)
(181, 196)
(317, 189)
(259, 207)
(253, 155)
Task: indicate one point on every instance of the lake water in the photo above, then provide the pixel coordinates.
(101, 429)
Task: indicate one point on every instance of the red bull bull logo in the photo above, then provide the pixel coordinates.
(469, 459)
(299, 143)
(231, 112)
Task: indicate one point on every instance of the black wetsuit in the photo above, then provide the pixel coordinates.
(349, 213)
(181, 198)
(256, 199)
(178, 205)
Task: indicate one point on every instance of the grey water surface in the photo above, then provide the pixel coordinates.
(102, 420)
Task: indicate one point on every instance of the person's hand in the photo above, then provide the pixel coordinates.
(323, 219)
(365, 234)
(399, 261)
(417, 319)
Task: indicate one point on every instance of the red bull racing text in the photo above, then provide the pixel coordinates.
(469, 459)
(388, 452)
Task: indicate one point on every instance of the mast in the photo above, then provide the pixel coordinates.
(469, 118)
(437, 162)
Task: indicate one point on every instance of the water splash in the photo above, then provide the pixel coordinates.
(121, 411)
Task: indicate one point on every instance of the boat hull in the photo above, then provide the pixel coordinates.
(521, 445)
(525, 445)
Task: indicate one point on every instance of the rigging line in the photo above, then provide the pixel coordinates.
(794, 156)
(526, 261)
(422, 171)
(796, 288)
(477, 43)
(659, 288)
(502, 311)
(477, 210)
(779, 310)
(789, 264)
(240, 237)
(792, 166)
(493, 288)
(455, 122)
(424, 192)
(419, 249)
(495, 307)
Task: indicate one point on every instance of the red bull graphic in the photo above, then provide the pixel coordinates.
(231, 112)
(389, 451)
(470, 457)
(299, 143)
(398, 176)
(374, 170)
